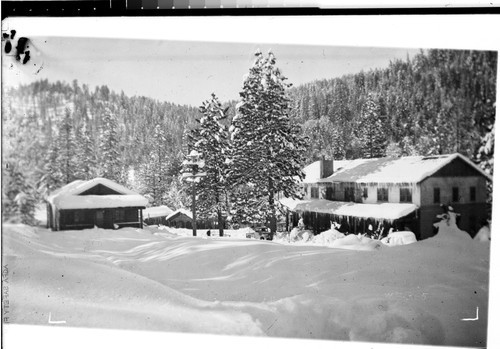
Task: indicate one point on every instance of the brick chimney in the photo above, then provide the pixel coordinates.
(325, 168)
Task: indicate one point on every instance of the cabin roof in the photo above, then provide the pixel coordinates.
(387, 211)
(68, 197)
(178, 212)
(410, 169)
(156, 211)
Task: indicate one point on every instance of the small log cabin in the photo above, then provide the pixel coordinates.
(156, 215)
(97, 202)
(404, 193)
(180, 219)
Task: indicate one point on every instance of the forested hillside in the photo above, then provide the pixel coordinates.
(440, 101)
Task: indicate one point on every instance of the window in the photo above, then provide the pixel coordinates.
(119, 215)
(78, 217)
(329, 193)
(365, 193)
(455, 194)
(382, 194)
(437, 195)
(349, 194)
(314, 192)
(405, 195)
(472, 194)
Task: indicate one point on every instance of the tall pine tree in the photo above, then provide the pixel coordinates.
(66, 147)
(372, 130)
(267, 148)
(154, 173)
(86, 160)
(210, 139)
(109, 161)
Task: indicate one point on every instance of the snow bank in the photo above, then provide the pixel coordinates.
(399, 238)
(137, 279)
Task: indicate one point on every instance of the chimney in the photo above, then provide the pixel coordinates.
(325, 168)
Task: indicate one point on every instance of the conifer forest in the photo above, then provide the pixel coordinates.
(54, 132)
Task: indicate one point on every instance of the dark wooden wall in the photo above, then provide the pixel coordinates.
(102, 218)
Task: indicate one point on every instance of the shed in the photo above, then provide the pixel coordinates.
(180, 219)
(156, 214)
(97, 202)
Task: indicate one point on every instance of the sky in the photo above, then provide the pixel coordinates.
(185, 72)
(184, 60)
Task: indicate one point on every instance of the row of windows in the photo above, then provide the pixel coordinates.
(455, 194)
(405, 194)
(85, 216)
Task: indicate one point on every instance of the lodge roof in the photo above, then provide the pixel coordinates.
(70, 196)
(409, 169)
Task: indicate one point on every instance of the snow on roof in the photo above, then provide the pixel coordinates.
(388, 211)
(157, 211)
(79, 186)
(99, 201)
(313, 171)
(181, 210)
(410, 169)
(68, 197)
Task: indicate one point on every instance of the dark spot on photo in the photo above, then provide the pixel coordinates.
(26, 57)
(8, 47)
(21, 47)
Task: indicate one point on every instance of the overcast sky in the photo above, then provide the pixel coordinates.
(185, 59)
(185, 72)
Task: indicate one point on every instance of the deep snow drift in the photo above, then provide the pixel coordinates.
(156, 279)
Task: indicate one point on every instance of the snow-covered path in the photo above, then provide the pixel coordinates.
(156, 280)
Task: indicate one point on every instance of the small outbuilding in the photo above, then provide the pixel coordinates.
(156, 215)
(180, 219)
(97, 202)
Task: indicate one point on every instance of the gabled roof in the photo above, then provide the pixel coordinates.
(68, 197)
(410, 169)
(79, 186)
(178, 212)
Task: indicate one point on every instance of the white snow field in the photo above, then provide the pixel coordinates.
(154, 279)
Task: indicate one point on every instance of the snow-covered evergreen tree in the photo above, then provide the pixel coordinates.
(86, 160)
(372, 130)
(66, 150)
(210, 139)
(154, 172)
(18, 196)
(51, 179)
(110, 165)
(267, 147)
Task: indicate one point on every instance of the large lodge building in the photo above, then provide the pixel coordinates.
(403, 193)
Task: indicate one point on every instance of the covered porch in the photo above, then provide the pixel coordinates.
(354, 218)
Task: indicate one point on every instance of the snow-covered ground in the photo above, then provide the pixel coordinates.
(165, 280)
